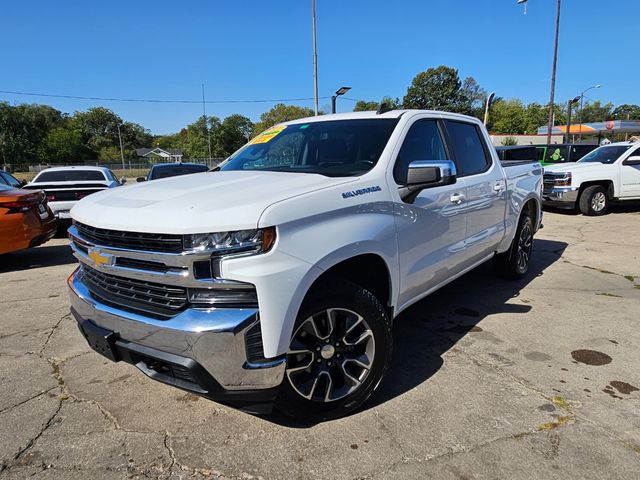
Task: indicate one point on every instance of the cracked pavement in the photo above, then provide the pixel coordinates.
(488, 380)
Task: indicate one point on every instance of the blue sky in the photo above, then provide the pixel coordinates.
(252, 49)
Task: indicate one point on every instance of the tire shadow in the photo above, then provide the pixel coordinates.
(424, 332)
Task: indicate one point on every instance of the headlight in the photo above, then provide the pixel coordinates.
(258, 241)
(564, 181)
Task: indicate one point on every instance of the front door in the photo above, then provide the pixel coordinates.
(431, 230)
(630, 177)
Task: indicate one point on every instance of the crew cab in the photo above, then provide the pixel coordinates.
(64, 186)
(609, 173)
(276, 278)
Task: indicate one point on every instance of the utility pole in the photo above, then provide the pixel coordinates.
(121, 149)
(553, 77)
(315, 58)
(204, 116)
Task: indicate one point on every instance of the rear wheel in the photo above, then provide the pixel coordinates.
(339, 351)
(594, 200)
(514, 263)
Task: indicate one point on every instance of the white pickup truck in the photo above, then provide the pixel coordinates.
(608, 173)
(276, 278)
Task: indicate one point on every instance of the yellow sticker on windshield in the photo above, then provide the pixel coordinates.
(268, 134)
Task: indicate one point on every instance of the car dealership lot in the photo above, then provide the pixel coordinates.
(490, 379)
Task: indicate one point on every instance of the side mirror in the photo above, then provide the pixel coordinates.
(633, 160)
(123, 180)
(424, 174)
(140, 179)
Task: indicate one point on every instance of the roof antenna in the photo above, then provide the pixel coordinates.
(384, 108)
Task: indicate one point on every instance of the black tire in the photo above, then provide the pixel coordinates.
(594, 201)
(514, 263)
(330, 306)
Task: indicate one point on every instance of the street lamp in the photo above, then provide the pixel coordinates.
(569, 104)
(341, 91)
(581, 101)
(315, 58)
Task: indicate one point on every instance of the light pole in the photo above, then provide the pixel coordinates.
(569, 104)
(581, 102)
(121, 149)
(315, 58)
(553, 69)
(341, 91)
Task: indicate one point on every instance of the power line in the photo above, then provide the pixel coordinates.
(149, 100)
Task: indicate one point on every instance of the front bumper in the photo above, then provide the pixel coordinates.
(561, 197)
(209, 345)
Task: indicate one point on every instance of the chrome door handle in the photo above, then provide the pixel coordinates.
(498, 187)
(457, 198)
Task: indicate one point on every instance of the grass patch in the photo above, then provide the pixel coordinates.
(562, 403)
(605, 294)
(637, 286)
(631, 278)
(557, 422)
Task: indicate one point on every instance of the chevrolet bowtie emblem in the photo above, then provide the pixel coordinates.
(100, 259)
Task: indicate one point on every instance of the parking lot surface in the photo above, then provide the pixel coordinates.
(490, 379)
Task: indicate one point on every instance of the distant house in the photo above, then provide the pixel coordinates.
(170, 155)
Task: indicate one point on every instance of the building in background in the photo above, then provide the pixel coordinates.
(159, 155)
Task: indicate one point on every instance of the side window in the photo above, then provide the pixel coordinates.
(423, 142)
(9, 180)
(471, 155)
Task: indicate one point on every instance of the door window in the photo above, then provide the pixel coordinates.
(471, 154)
(423, 142)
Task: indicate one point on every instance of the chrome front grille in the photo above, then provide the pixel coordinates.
(158, 300)
(155, 242)
(548, 182)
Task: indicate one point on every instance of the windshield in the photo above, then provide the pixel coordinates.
(70, 176)
(335, 148)
(175, 171)
(608, 154)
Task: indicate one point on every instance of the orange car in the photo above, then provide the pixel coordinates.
(25, 219)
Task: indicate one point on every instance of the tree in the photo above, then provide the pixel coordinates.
(536, 115)
(508, 117)
(235, 132)
(474, 97)
(436, 89)
(65, 144)
(595, 112)
(626, 112)
(365, 106)
(280, 113)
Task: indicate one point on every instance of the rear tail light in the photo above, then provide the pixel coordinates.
(51, 197)
(80, 195)
(22, 205)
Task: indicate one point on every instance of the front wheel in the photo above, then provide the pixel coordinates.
(514, 263)
(594, 200)
(339, 351)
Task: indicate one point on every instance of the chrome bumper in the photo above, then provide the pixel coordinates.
(561, 196)
(213, 338)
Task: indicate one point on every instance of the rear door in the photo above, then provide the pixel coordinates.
(486, 189)
(431, 230)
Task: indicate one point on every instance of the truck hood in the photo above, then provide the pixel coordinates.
(198, 203)
(572, 167)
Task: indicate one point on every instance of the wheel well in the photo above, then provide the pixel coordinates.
(531, 207)
(608, 184)
(368, 271)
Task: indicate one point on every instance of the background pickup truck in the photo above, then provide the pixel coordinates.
(276, 278)
(609, 173)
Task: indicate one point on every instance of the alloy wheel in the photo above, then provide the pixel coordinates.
(331, 355)
(525, 245)
(598, 202)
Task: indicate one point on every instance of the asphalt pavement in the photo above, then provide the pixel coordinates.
(537, 378)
